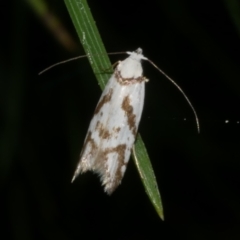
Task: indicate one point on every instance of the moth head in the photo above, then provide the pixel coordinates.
(137, 55)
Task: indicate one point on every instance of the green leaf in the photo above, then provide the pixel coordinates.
(90, 38)
(147, 175)
(98, 58)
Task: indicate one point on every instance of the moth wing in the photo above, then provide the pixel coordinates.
(112, 131)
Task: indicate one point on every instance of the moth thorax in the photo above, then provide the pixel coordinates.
(130, 68)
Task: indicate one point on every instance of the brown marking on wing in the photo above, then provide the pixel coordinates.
(120, 150)
(104, 133)
(131, 117)
(101, 161)
(117, 130)
(89, 140)
(128, 81)
(106, 98)
(82, 166)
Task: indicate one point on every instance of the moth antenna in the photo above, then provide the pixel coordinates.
(116, 53)
(62, 62)
(73, 59)
(179, 88)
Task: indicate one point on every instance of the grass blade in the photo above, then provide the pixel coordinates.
(90, 38)
(147, 175)
(98, 58)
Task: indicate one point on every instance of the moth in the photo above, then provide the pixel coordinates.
(113, 128)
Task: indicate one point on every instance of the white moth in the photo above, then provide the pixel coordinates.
(114, 125)
(113, 129)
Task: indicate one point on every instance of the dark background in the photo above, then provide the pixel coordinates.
(44, 120)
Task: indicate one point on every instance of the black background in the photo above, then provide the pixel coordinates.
(44, 120)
